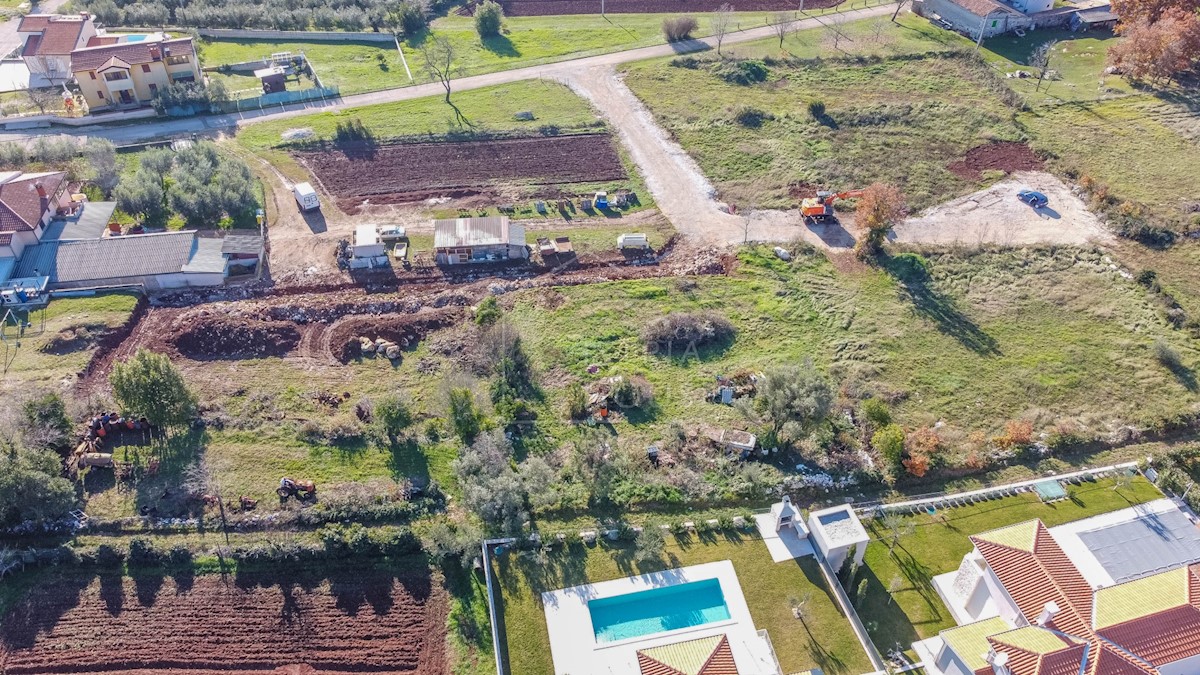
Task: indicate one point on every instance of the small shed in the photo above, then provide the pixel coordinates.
(633, 240)
(741, 442)
(837, 530)
(1094, 18)
(273, 78)
(367, 243)
(472, 240)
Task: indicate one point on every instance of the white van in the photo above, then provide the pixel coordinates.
(306, 197)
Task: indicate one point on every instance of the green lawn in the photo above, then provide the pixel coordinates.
(1137, 145)
(526, 41)
(897, 120)
(1078, 58)
(936, 547)
(28, 364)
(995, 335)
(824, 639)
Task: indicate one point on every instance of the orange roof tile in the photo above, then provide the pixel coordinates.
(718, 662)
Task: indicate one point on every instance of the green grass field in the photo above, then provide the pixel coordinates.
(823, 640)
(915, 611)
(28, 364)
(526, 41)
(897, 120)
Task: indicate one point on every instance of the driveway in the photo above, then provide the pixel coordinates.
(996, 216)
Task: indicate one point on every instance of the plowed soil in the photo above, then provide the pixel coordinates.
(353, 622)
(418, 170)
(1005, 156)
(550, 7)
(221, 339)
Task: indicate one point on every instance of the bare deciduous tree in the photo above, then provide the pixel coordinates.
(782, 23)
(899, 6)
(441, 64)
(42, 99)
(1040, 59)
(721, 21)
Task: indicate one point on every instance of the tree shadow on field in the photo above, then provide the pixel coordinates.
(112, 592)
(147, 585)
(912, 272)
(500, 45)
(43, 606)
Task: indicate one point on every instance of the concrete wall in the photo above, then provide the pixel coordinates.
(969, 23)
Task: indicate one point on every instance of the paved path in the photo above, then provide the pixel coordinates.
(557, 71)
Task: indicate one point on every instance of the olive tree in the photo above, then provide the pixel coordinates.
(148, 384)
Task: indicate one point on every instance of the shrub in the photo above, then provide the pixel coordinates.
(489, 16)
(744, 72)
(689, 62)
(685, 332)
(1148, 278)
(1167, 355)
(109, 556)
(917, 464)
(679, 28)
(488, 311)
(576, 401)
(751, 117)
(142, 553)
(410, 16)
(816, 109)
(877, 412)
(464, 416)
(889, 442)
(632, 392)
(1017, 434)
(179, 555)
(649, 544)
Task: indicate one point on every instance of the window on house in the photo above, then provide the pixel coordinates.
(116, 76)
(101, 93)
(153, 89)
(145, 67)
(176, 60)
(92, 73)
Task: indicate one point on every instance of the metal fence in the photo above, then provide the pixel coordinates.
(280, 98)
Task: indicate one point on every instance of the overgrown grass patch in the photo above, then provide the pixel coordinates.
(824, 639)
(936, 546)
(896, 120)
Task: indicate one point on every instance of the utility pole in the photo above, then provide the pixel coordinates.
(983, 27)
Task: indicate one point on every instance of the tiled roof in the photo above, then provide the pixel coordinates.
(242, 244)
(1043, 574)
(970, 641)
(59, 37)
(114, 62)
(21, 208)
(5, 238)
(91, 58)
(108, 258)
(32, 23)
(1142, 597)
(1035, 640)
(1020, 536)
(703, 656)
(491, 231)
(206, 256)
(31, 45)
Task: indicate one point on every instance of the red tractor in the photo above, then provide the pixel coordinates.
(302, 490)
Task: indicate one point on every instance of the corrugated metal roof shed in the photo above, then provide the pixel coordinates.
(490, 231)
(206, 256)
(108, 258)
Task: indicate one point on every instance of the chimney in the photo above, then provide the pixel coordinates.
(998, 661)
(85, 16)
(1048, 613)
(41, 190)
(155, 54)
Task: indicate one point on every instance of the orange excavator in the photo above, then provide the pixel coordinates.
(820, 208)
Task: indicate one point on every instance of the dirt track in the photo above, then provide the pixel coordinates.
(362, 621)
(996, 216)
(554, 7)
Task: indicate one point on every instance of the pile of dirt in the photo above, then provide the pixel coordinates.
(74, 338)
(1006, 156)
(237, 339)
(405, 331)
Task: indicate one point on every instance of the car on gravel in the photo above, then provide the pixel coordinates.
(1033, 198)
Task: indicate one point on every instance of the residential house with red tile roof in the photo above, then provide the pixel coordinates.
(1038, 613)
(47, 41)
(28, 201)
(129, 74)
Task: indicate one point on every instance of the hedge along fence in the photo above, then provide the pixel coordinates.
(262, 34)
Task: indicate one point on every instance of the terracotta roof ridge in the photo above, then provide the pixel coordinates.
(723, 642)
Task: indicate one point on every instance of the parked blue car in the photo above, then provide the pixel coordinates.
(1033, 198)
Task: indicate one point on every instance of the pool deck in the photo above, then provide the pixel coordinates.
(573, 642)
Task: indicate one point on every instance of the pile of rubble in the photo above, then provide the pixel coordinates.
(391, 350)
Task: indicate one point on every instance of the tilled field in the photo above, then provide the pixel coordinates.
(354, 622)
(551, 7)
(421, 170)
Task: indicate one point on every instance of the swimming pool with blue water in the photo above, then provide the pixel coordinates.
(657, 610)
